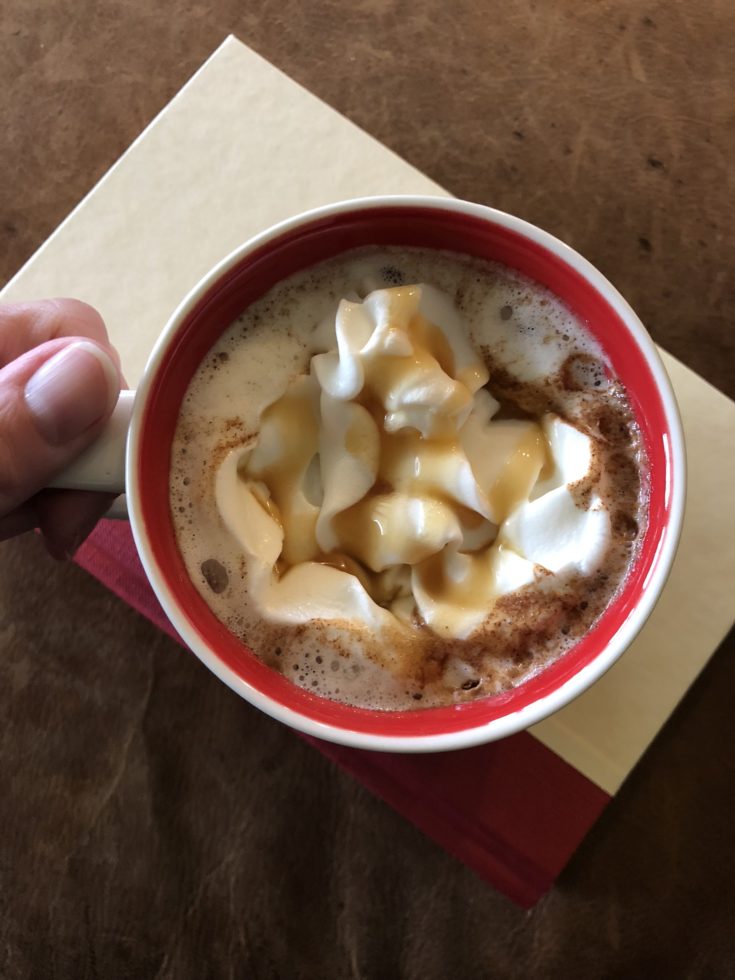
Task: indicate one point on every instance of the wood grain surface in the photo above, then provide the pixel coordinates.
(154, 825)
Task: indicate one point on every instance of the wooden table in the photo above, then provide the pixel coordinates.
(155, 825)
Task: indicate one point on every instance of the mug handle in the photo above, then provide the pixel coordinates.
(101, 467)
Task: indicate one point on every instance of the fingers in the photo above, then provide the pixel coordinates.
(24, 326)
(54, 401)
(66, 517)
(18, 521)
(56, 392)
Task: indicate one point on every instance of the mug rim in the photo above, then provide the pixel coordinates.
(667, 536)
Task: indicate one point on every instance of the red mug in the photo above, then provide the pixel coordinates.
(145, 421)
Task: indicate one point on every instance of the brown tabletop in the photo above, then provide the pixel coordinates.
(153, 824)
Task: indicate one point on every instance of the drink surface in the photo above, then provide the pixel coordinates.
(395, 648)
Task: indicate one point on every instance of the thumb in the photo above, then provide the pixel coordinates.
(54, 401)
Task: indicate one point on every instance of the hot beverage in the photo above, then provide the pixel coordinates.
(407, 478)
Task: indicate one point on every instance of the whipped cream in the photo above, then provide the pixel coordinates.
(383, 488)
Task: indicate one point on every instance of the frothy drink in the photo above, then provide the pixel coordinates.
(407, 478)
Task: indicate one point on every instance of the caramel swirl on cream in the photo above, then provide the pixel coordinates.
(382, 487)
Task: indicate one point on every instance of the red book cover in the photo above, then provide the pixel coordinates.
(512, 810)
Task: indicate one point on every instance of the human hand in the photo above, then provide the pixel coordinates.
(59, 381)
